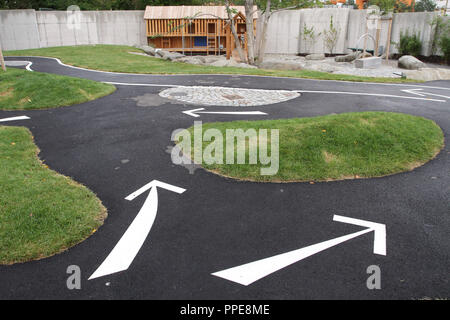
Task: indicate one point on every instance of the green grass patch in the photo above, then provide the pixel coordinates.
(335, 147)
(41, 211)
(118, 59)
(24, 90)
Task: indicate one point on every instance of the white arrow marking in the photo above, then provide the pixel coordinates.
(193, 112)
(14, 118)
(248, 273)
(423, 94)
(131, 242)
(369, 94)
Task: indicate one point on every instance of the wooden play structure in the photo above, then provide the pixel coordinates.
(195, 29)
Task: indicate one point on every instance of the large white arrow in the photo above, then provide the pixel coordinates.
(194, 112)
(131, 242)
(248, 273)
(424, 94)
(14, 118)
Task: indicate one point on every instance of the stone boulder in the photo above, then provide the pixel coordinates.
(221, 63)
(148, 50)
(190, 59)
(347, 58)
(167, 55)
(362, 55)
(410, 62)
(367, 63)
(315, 56)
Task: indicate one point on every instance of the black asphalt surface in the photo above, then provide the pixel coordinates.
(220, 223)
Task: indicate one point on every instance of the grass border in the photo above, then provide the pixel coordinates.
(240, 72)
(413, 167)
(100, 217)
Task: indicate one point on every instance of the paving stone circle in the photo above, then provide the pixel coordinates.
(221, 96)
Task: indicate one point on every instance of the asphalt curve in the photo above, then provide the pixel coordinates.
(115, 145)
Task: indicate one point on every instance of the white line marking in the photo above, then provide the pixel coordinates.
(142, 84)
(248, 273)
(14, 118)
(423, 94)
(123, 254)
(240, 75)
(194, 112)
(370, 94)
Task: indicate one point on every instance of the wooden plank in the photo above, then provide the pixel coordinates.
(388, 42)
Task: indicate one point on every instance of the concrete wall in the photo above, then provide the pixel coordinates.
(27, 29)
(18, 29)
(414, 23)
(285, 30)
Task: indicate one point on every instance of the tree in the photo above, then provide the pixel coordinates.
(268, 9)
(425, 5)
(249, 4)
(231, 13)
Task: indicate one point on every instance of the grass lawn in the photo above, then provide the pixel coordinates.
(335, 147)
(41, 211)
(24, 90)
(117, 59)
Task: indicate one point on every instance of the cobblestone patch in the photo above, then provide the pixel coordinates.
(221, 96)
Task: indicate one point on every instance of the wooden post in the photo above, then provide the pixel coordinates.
(2, 61)
(375, 51)
(388, 44)
(228, 42)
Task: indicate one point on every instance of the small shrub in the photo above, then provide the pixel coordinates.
(444, 43)
(409, 45)
(331, 36)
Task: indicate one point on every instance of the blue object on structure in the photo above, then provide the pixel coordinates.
(199, 41)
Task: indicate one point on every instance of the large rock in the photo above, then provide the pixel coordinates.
(410, 62)
(190, 59)
(347, 58)
(315, 56)
(212, 59)
(148, 50)
(167, 55)
(221, 63)
(368, 63)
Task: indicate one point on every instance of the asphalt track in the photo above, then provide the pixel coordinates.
(114, 147)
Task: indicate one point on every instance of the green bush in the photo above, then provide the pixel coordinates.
(444, 43)
(410, 45)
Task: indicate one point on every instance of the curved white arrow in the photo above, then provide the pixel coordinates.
(131, 242)
(14, 118)
(248, 273)
(194, 112)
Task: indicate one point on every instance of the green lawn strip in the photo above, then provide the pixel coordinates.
(116, 58)
(336, 147)
(24, 90)
(41, 211)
